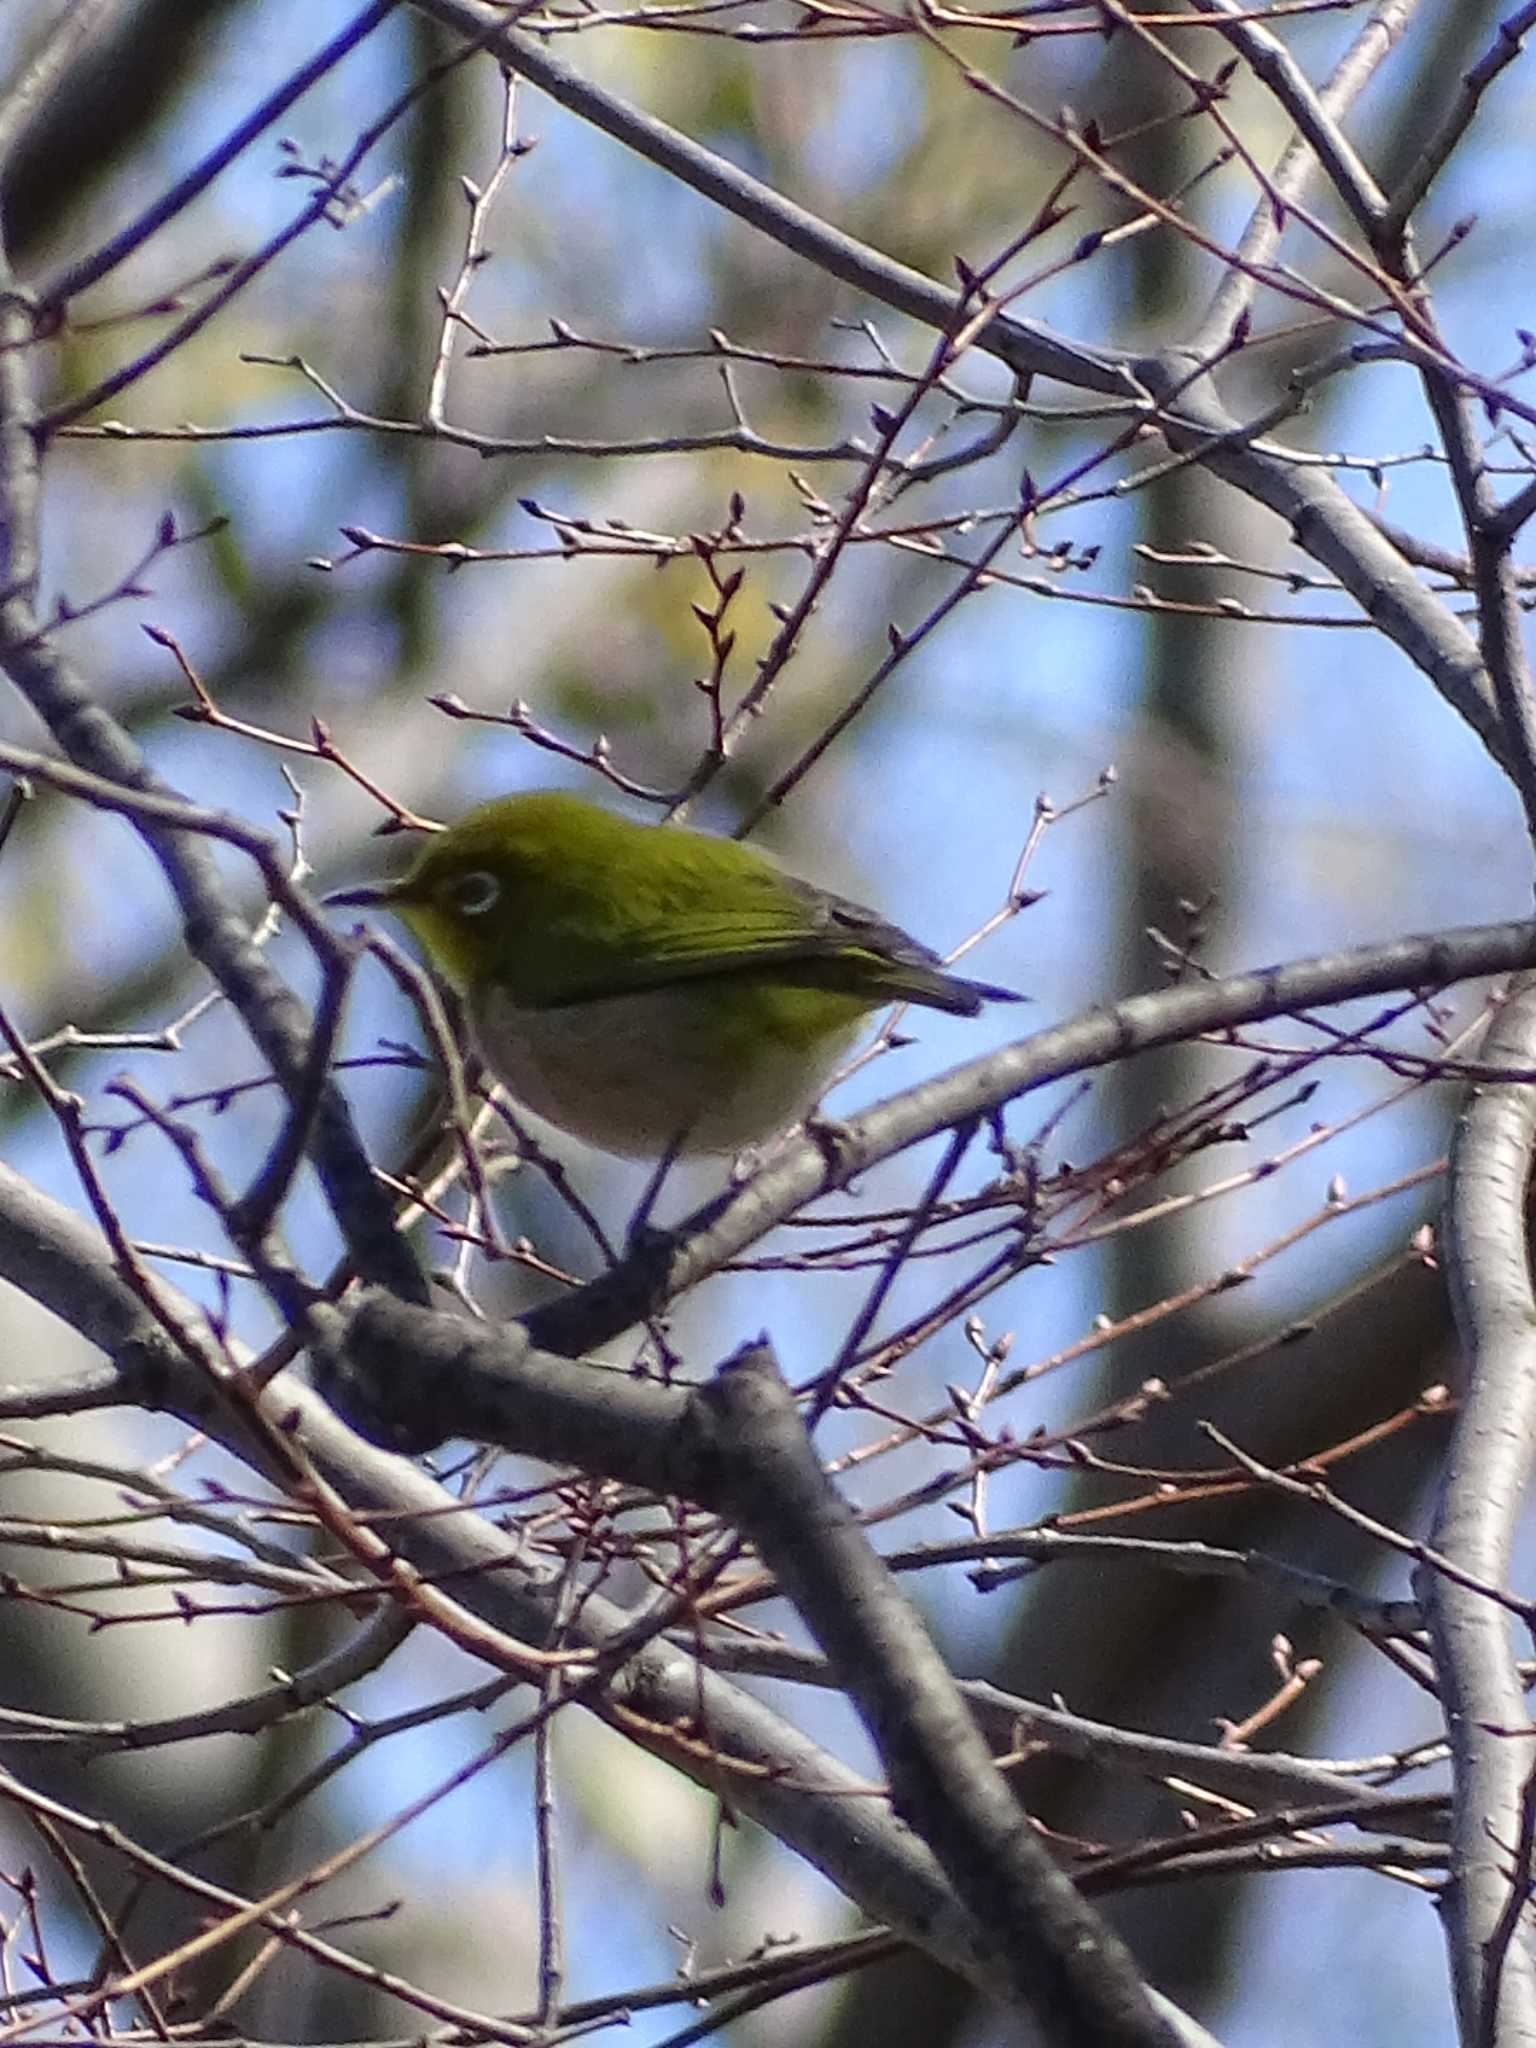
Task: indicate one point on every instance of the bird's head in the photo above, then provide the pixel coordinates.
(516, 892)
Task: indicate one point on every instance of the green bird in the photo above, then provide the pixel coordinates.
(650, 989)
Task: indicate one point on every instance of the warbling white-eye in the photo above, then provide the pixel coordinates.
(649, 988)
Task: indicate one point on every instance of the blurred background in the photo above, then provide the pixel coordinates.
(1284, 783)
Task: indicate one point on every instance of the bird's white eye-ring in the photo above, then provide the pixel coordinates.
(475, 893)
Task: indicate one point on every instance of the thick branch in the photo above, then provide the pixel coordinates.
(1062, 1960)
(657, 1696)
(1326, 522)
(1488, 1263)
(53, 1255)
(30, 89)
(804, 1170)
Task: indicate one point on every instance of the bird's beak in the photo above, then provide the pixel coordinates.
(365, 897)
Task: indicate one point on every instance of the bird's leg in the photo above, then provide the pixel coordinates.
(827, 1133)
(640, 1223)
(751, 1157)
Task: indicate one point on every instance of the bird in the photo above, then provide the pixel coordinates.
(651, 989)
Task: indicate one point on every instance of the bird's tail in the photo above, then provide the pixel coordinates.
(952, 992)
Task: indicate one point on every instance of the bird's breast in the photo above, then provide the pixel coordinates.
(712, 1065)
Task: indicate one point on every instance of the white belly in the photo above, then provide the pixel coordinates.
(636, 1074)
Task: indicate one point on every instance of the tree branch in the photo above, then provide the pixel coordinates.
(1489, 1462)
(803, 1170)
(1064, 1963)
(656, 1696)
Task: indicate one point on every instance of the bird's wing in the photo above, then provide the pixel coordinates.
(801, 932)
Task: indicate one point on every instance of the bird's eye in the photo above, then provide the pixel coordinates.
(475, 893)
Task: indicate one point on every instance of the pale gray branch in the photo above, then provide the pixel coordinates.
(804, 1170)
(1065, 1965)
(792, 1786)
(25, 93)
(1488, 1266)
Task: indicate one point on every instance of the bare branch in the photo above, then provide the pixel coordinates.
(73, 31)
(1486, 1472)
(1065, 1967)
(1431, 160)
(85, 271)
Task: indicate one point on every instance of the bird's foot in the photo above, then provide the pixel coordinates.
(833, 1139)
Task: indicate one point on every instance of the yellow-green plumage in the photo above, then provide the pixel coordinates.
(645, 987)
